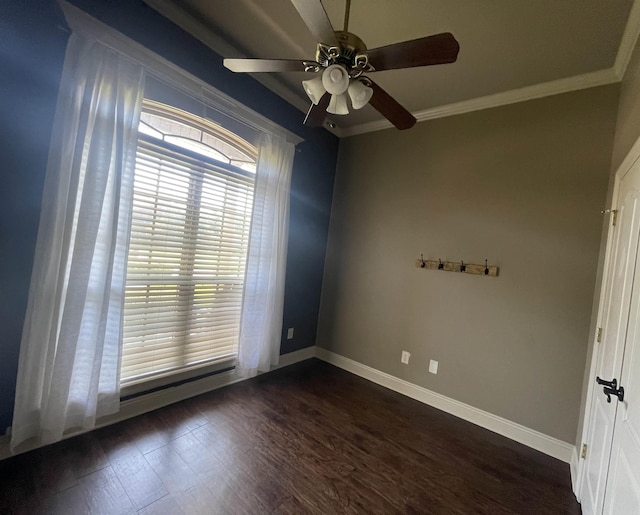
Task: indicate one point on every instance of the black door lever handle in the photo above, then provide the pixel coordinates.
(611, 388)
(619, 393)
(611, 384)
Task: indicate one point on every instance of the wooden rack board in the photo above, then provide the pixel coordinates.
(454, 266)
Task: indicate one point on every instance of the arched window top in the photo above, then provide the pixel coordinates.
(196, 134)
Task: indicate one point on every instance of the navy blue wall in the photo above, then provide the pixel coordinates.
(32, 47)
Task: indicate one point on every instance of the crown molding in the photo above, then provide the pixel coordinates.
(588, 80)
(628, 41)
(544, 89)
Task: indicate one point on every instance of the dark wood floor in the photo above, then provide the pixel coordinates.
(306, 439)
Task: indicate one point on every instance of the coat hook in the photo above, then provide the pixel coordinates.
(440, 265)
(463, 267)
(422, 264)
(486, 268)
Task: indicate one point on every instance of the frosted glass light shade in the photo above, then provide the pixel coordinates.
(314, 89)
(338, 104)
(359, 94)
(335, 79)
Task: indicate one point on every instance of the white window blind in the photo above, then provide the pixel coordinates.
(187, 257)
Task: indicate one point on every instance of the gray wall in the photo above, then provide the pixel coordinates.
(520, 185)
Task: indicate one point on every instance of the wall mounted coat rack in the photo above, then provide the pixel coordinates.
(457, 266)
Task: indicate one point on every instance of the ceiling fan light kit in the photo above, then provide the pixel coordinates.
(335, 79)
(314, 89)
(359, 94)
(338, 104)
(343, 58)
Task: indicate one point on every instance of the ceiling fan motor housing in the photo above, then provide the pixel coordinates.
(351, 53)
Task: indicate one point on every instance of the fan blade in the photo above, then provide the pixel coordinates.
(437, 49)
(389, 107)
(315, 17)
(264, 65)
(317, 113)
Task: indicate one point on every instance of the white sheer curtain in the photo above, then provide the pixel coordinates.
(263, 301)
(69, 368)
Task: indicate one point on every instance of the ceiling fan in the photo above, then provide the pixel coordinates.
(341, 61)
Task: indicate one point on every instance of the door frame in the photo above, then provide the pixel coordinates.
(577, 463)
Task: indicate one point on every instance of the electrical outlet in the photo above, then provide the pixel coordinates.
(290, 333)
(405, 357)
(433, 366)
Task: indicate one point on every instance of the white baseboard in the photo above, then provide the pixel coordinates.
(529, 437)
(534, 439)
(295, 357)
(155, 400)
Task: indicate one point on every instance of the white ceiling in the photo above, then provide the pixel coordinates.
(510, 50)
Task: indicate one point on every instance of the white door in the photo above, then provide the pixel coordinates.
(617, 294)
(622, 495)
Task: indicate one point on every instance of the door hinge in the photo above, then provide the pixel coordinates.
(599, 336)
(583, 455)
(614, 215)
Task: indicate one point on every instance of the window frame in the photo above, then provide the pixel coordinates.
(193, 160)
(174, 77)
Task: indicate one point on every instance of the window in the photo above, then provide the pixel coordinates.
(193, 197)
